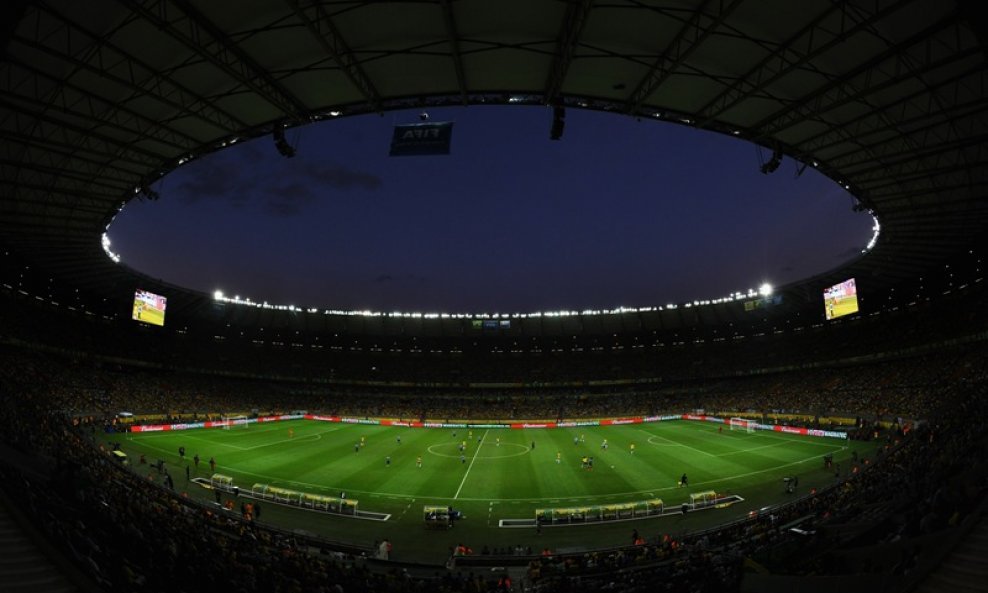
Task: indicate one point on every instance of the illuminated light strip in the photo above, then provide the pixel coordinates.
(763, 291)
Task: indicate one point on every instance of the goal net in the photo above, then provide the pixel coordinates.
(742, 424)
(238, 421)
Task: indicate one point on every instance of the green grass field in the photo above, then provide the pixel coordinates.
(148, 314)
(502, 474)
(843, 306)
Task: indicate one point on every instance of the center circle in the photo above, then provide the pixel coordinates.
(503, 447)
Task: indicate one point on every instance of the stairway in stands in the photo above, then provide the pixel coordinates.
(23, 566)
(965, 570)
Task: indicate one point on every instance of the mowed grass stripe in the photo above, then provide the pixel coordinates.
(320, 458)
(747, 450)
(500, 467)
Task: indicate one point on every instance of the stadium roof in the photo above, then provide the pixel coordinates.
(100, 98)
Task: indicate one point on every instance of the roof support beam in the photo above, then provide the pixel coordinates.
(108, 61)
(933, 129)
(71, 200)
(29, 148)
(795, 52)
(880, 115)
(27, 121)
(56, 175)
(917, 179)
(191, 28)
(699, 26)
(569, 37)
(942, 196)
(875, 71)
(97, 109)
(328, 35)
(909, 159)
(129, 135)
(454, 48)
(905, 112)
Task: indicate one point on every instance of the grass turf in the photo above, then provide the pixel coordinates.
(501, 474)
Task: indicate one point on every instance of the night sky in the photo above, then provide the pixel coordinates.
(617, 213)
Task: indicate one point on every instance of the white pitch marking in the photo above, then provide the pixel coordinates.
(464, 480)
(680, 444)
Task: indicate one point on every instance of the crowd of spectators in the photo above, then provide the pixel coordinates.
(672, 355)
(906, 387)
(922, 482)
(131, 534)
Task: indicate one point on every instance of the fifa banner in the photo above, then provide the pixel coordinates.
(420, 139)
(833, 434)
(212, 424)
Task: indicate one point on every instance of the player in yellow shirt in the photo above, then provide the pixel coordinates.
(632, 448)
(559, 457)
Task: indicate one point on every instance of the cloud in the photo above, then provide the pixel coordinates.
(384, 278)
(308, 181)
(218, 180)
(287, 200)
(339, 177)
(278, 187)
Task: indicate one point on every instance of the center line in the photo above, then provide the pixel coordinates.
(680, 444)
(469, 467)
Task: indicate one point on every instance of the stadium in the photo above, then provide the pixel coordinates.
(819, 434)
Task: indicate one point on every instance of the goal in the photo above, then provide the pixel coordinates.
(239, 421)
(743, 424)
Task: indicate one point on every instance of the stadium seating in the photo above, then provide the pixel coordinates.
(95, 509)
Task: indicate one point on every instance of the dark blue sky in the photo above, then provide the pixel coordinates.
(617, 213)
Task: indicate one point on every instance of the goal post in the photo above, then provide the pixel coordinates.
(743, 424)
(234, 421)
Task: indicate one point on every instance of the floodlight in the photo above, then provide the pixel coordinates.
(765, 289)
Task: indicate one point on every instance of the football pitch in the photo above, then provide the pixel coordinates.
(499, 474)
(843, 306)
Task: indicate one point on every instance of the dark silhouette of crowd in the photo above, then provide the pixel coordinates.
(131, 533)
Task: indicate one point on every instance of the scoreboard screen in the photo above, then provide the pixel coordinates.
(840, 299)
(149, 307)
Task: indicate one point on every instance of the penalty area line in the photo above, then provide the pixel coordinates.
(470, 467)
(680, 444)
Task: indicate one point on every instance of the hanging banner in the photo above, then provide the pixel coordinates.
(421, 139)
